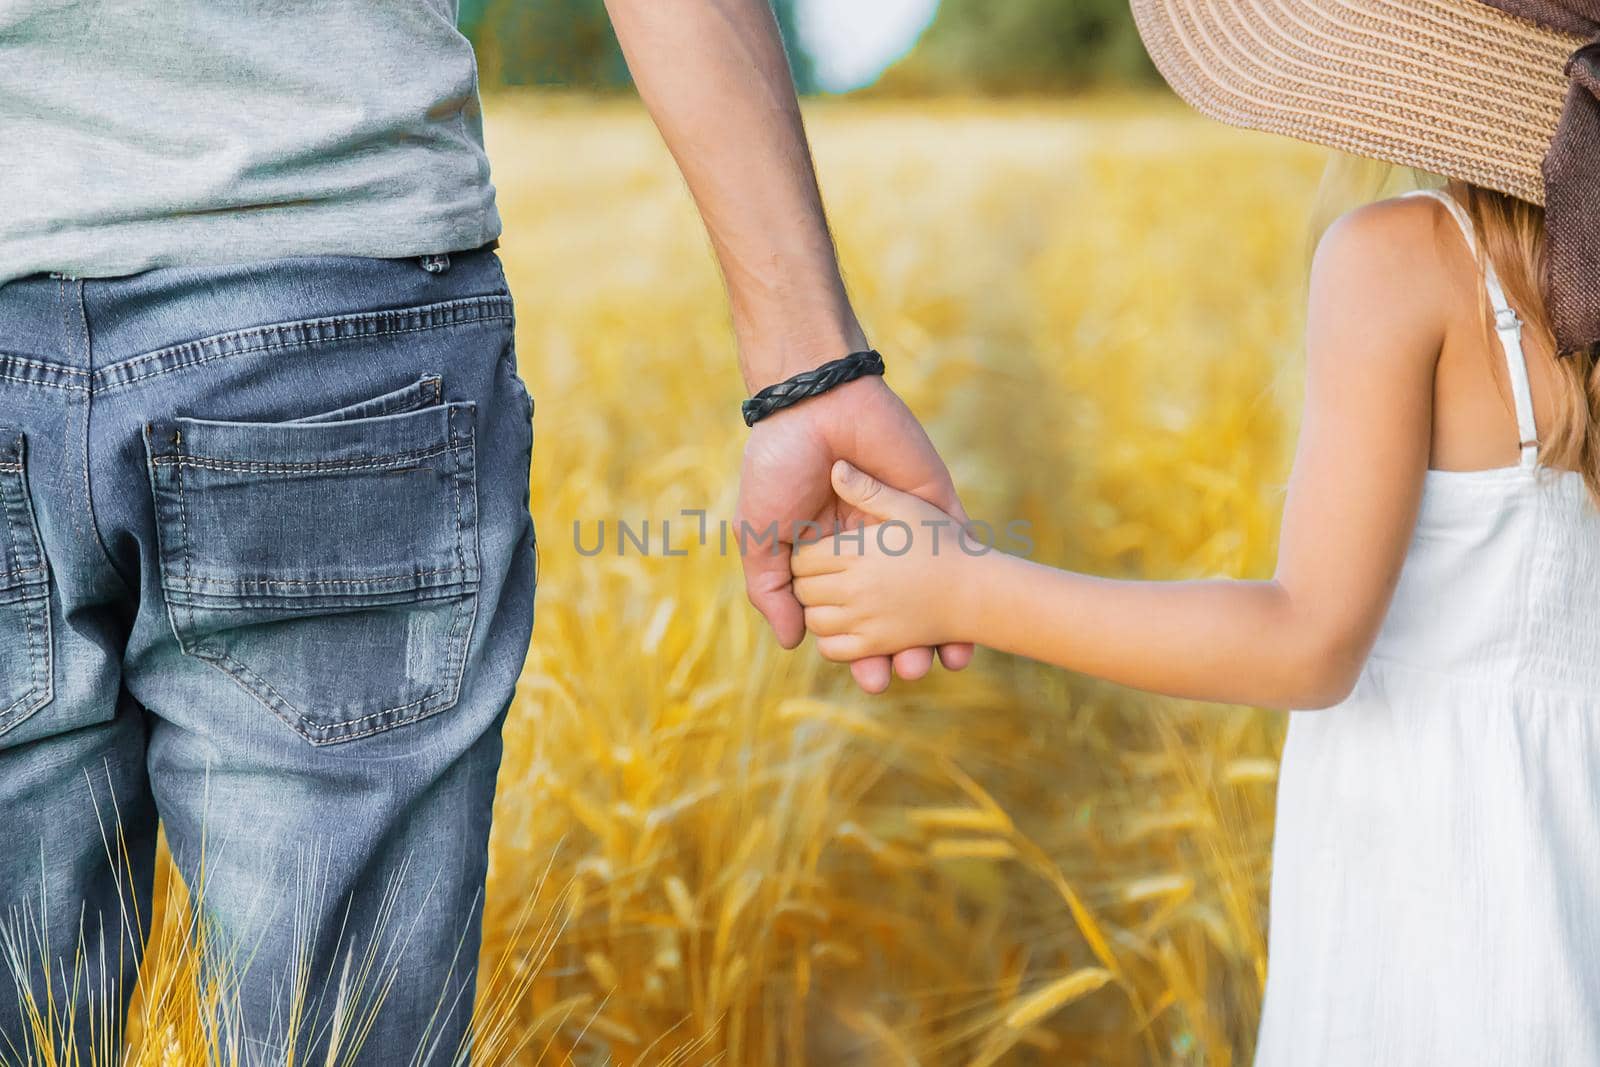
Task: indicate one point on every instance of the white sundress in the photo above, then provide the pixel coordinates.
(1436, 871)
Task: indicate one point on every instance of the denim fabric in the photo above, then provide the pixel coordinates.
(266, 575)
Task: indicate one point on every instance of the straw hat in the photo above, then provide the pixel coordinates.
(1455, 87)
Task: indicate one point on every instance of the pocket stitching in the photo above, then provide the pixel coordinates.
(460, 568)
(34, 548)
(41, 689)
(262, 466)
(427, 391)
(178, 460)
(319, 733)
(41, 682)
(455, 486)
(464, 610)
(183, 520)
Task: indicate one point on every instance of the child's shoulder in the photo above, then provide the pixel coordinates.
(1400, 260)
(1409, 233)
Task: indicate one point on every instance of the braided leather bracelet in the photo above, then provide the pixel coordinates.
(810, 383)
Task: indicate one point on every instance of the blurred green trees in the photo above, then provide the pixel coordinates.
(992, 47)
(569, 42)
(973, 46)
(544, 42)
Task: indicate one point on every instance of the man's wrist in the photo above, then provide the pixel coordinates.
(769, 356)
(832, 413)
(808, 385)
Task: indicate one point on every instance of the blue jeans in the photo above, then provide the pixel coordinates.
(266, 576)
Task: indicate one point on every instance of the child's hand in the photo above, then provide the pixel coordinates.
(899, 584)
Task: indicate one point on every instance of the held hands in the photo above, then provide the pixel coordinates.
(718, 86)
(786, 482)
(903, 582)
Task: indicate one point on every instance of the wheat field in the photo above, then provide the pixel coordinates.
(708, 850)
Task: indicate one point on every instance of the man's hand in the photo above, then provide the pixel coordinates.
(714, 76)
(787, 482)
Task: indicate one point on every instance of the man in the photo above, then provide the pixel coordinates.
(267, 569)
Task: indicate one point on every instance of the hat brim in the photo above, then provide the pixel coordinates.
(1455, 87)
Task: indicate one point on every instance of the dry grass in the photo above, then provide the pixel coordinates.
(710, 851)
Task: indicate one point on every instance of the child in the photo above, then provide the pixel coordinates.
(1436, 885)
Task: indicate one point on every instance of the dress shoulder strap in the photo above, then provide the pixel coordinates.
(1509, 327)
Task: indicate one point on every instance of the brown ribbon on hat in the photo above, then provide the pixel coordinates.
(1572, 176)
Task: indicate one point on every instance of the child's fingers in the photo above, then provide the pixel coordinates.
(862, 490)
(816, 589)
(827, 620)
(816, 558)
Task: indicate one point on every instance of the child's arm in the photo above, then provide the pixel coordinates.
(1376, 324)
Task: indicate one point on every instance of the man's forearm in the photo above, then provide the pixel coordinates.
(715, 78)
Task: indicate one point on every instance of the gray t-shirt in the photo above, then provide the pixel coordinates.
(147, 133)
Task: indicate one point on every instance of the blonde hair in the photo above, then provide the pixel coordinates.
(1511, 236)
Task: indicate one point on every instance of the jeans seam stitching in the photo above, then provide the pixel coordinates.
(22, 570)
(451, 313)
(23, 380)
(43, 364)
(306, 343)
(88, 417)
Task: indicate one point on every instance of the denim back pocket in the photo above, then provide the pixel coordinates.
(329, 568)
(26, 678)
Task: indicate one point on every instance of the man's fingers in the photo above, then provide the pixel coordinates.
(955, 657)
(871, 674)
(913, 663)
(766, 582)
